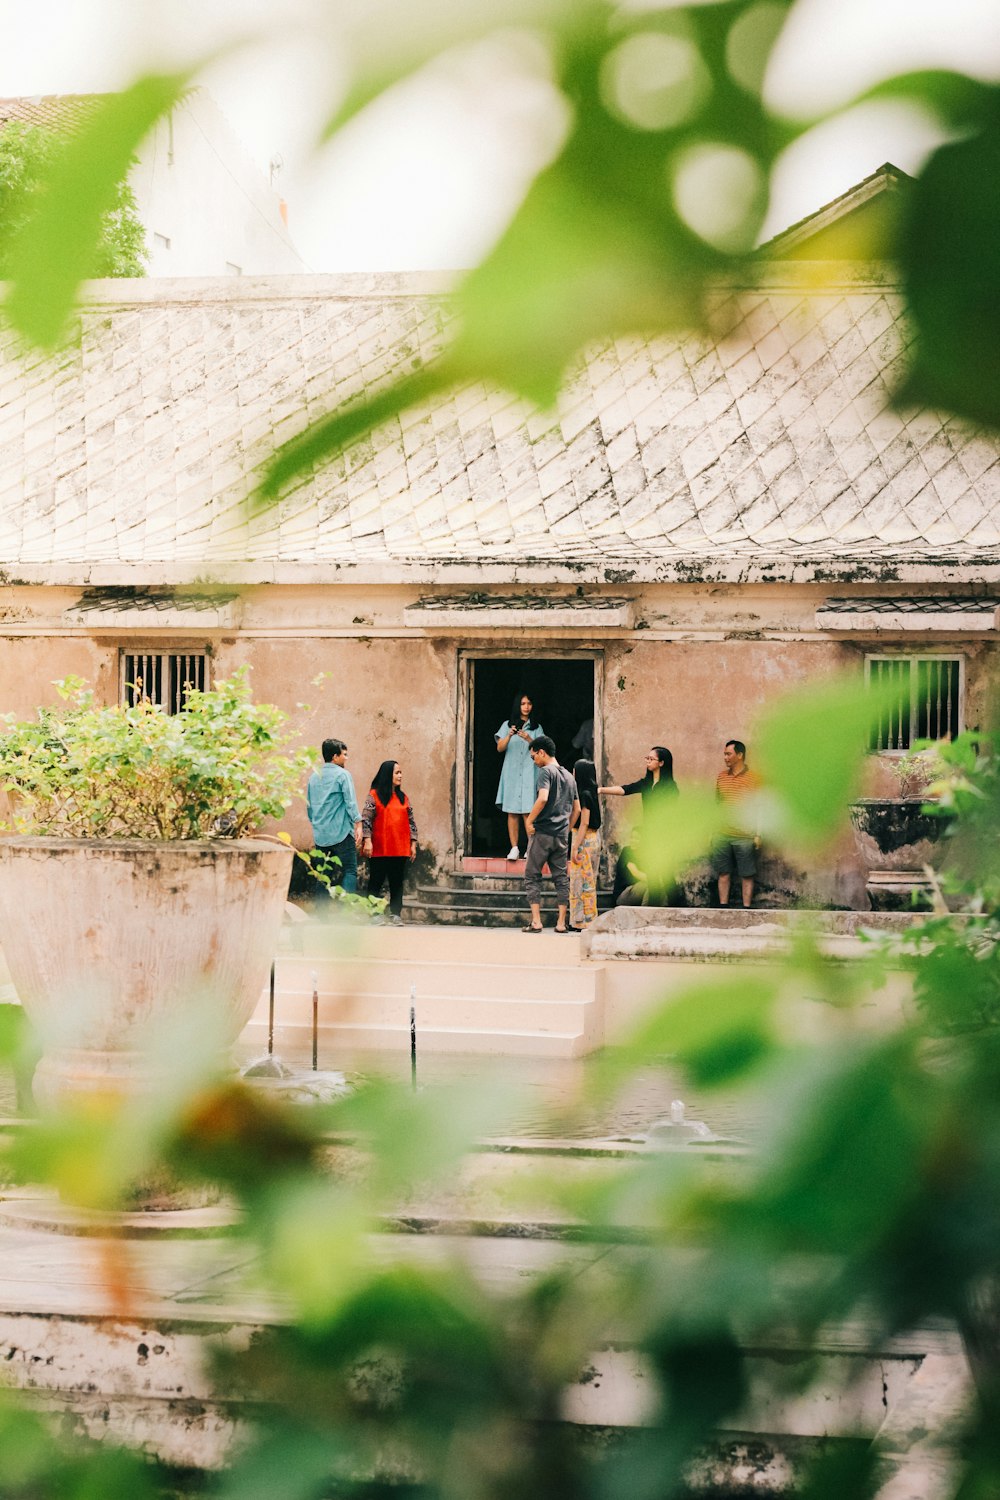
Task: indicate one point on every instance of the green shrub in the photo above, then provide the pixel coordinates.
(220, 767)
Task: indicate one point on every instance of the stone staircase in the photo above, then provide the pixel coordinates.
(486, 893)
(474, 991)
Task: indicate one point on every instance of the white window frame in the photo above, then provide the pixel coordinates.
(914, 658)
(128, 654)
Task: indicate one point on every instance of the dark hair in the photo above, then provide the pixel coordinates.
(531, 722)
(543, 743)
(737, 745)
(585, 775)
(332, 748)
(666, 764)
(382, 783)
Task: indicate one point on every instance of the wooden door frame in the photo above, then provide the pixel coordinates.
(466, 657)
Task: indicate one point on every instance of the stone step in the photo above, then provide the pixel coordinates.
(483, 901)
(339, 1040)
(466, 1012)
(480, 890)
(514, 979)
(511, 917)
(474, 991)
(470, 944)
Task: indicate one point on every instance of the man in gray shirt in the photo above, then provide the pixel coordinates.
(548, 832)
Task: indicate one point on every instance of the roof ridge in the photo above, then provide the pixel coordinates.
(885, 178)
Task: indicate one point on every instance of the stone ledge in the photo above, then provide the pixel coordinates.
(703, 934)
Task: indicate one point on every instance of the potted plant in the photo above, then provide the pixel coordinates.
(131, 890)
(898, 836)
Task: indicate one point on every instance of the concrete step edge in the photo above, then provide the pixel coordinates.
(422, 965)
(388, 1029)
(425, 997)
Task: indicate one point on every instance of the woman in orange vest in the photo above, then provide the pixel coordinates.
(389, 836)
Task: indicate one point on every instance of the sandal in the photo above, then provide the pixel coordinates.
(562, 931)
(535, 929)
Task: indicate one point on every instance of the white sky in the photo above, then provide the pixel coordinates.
(427, 178)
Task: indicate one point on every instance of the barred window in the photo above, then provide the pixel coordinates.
(161, 677)
(921, 699)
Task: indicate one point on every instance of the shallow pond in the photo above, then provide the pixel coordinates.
(546, 1099)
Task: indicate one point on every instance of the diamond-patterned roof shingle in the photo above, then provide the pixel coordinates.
(774, 453)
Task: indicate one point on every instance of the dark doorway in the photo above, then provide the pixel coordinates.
(562, 692)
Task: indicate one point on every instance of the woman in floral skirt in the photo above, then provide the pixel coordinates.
(585, 849)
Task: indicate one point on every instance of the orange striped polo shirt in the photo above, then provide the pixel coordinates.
(732, 790)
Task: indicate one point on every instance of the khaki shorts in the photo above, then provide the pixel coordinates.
(734, 857)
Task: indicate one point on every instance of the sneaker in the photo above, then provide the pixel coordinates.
(515, 852)
(395, 921)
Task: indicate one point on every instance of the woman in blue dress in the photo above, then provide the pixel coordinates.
(516, 792)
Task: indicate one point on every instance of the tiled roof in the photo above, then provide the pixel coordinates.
(53, 111)
(773, 454)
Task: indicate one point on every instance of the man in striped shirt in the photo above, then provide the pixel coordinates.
(736, 848)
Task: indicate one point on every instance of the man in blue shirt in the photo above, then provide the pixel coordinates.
(334, 813)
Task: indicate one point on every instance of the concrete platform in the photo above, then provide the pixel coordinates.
(490, 991)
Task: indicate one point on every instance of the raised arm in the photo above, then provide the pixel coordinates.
(611, 791)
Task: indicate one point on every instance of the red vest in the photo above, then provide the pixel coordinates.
(391, 828)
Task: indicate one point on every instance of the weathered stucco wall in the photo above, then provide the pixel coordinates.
(385, 698)
(700, 665)
(692, 696)
(30, 664)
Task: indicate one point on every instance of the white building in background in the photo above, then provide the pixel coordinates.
(207, 208)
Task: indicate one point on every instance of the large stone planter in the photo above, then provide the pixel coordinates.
(115, 945)
(895, 839)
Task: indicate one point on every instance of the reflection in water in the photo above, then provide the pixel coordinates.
(546, 1094)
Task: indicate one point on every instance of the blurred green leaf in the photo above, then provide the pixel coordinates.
(809, 749)
(331, 434)
(718, 1030)
(602, 244)
(293, 1464)
(389, 40)
(657, 191)
(849, 1471)
(36, 1462)
(316, 1246)
(847, 1169)
(959, 100)
(418, 1137)
(950, 251)
(58, 247)
(675, 831)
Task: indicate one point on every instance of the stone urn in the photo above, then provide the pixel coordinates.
(896, 838)
(116, 946)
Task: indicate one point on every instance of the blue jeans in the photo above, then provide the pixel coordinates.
(347, 852)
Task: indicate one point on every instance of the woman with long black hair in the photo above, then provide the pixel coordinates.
(657, 785)
(518, 777)
(389, 835)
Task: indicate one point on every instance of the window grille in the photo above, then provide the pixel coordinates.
(161, 677)
(921, 699)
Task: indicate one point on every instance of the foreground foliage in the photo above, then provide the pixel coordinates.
(874, 1195)
(879, 1182)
